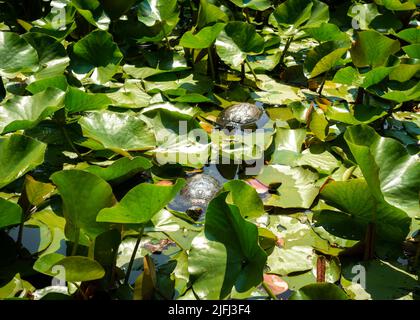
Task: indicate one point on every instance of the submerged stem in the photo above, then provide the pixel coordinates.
(133, 255)
(269, 292)
(252, 70)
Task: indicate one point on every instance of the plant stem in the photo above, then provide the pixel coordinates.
(85, 297)
(245, 10)
(72, 146)
(76, 243)
(269, 292)
(242, 72)
(211, 63)
(252, 70)
(320, 269)
(133, 255)
(323, 83)
(286, 48)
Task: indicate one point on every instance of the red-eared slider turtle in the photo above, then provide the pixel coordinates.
(240, 115)
(196, 195)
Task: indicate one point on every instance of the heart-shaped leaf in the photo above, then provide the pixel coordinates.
(391, 173)
(10, 213)
(236, 41)
(84, 195)
(141, 203)
(226, 254)
(16, 55)
(18, 155)
(362, 53)
(120, 132)
(25, 112)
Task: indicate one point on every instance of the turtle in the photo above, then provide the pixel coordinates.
(242, 115)
(194, 198)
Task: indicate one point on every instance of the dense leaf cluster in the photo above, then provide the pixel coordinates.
(92, 94)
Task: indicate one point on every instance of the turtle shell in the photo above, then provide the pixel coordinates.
(241, 114)
(200, 189)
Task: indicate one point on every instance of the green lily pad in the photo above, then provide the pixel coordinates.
(362, 53)
(391, 173)
(72, 269)
(319, 291)
(78, 100)
(203, 39)
(18, 155)
(226, 254)
(120, 132)
(84, 195)
(236, 41)
(11, 213)
(25, 112)
(16, 55)
(96, 52)
(245, 198)
(141, 203)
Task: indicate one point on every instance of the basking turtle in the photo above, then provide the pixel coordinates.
(240, 115)
(196, 195)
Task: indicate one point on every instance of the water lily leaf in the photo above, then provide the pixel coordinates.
(11, 213)
(203, 39)
(24, 112)
(93, 12)
(15, 286)
(141, 203)
(362, 53)
(37, 192)
(84, 195)
(319, 124)
(395, 178)
(116, 9)
(96, 52)
(353, 198)
(404, 72)
(120, 132)
(245, 198)
(297, 189)
(404, 95)
(325, 57)
(18, 155)
(236, 41)
(16, 55)
(378, 279)
(285, 261)
(259, 5)
(326, 32)
(412, 50)
(180, 138)
(159, 16)
(226, 254)
(130, 95)
(322, 161)
(72, 269)
(411, 35)
(122, 168)
(59, 82)
(288, 144)
(299, 13)
(397, 4)
(363, 14)
(78, 100)
(209, 13)
(146, 283)
(320, 291)
(52, 55)
(351, 76)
